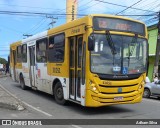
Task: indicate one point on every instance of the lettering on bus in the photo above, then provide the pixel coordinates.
(75, 31)
(107, 82)
(123, 26)
(56, 70)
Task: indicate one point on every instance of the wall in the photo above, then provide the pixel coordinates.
(153, 32)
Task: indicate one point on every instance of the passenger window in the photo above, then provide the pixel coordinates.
(41, 49)
(19, 54)
(24, 53)
(56, 48)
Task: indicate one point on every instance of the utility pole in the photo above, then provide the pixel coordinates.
(157, 56)
(52, 20)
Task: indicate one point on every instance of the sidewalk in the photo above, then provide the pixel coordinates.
(8, 100)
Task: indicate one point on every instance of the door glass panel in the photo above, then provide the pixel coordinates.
(72, 52)
(72, 83)
(79, 84)
(79, 51)
(32, 56)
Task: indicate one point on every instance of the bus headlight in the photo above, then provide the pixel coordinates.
(94, 88)
(140, 86)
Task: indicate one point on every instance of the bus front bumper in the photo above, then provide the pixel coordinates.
(96, 100)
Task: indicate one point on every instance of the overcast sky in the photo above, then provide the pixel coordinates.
(12, 27)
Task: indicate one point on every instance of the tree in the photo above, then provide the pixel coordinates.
(3, 61)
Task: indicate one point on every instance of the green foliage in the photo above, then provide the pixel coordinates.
(3, 61)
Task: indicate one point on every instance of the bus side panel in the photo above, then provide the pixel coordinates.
(42, 80)
(25, 73)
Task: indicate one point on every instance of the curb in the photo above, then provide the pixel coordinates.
(13, 106)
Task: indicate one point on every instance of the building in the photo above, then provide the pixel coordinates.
(154, 50)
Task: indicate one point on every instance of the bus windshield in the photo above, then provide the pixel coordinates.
(130, 56)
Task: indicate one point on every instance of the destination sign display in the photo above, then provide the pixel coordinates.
(113, 24)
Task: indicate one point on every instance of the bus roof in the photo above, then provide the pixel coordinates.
(85, 20)
(36, 36)
(80, 21)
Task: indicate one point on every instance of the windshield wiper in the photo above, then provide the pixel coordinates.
(130, 51)
(111, 43)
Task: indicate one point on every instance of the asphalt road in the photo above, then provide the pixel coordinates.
(43, 106)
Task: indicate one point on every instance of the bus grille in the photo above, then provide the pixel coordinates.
(121, 89)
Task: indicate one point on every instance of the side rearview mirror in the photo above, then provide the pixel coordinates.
(91, 41)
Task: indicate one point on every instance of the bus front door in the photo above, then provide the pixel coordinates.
(32, 65)
(75, 67)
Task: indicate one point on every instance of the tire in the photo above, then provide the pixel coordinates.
(146, 93)
(22, 83)
(58, 94)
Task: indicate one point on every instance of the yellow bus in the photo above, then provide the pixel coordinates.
(97, 60)
(15, 60)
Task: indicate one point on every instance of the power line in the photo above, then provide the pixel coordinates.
(88, 7)
(123, 6)
(140, 15)
(129, 7)
(148, 5)
(39, 25)
(153, 7)
(27, 6)
(36, 13)
(35, 26)
(11, 29)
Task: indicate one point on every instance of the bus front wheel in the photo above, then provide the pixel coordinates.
(58, 94)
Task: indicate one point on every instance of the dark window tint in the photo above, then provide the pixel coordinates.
(24, 53)
(41, 55)
(79, 51)
(19, 55)
(56, 48)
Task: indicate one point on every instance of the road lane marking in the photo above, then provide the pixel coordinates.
(75, 126)
(45, 113)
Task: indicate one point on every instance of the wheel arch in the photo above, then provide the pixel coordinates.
(148, 89)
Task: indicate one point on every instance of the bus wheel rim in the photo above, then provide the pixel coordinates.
(59, 93)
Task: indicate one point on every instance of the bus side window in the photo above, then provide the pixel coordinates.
(51, 43)
(41, 49)
(19, 54)
(24, 53)
(56, 48)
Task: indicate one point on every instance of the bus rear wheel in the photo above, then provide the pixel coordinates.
(58, 94)
(22, 83)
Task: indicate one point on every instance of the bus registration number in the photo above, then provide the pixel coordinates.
(118, 98)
